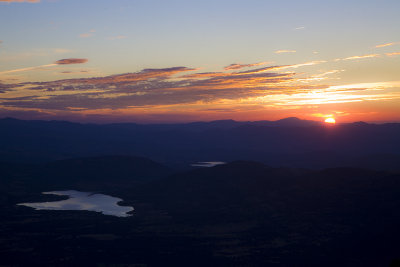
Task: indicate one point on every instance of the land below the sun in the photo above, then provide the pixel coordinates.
(290, 193)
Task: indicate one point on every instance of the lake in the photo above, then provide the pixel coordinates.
(207, 164)
(77, 200)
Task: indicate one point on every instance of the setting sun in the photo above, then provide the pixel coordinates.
(330, 120)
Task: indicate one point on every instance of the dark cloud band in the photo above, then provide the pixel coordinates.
(68, 61)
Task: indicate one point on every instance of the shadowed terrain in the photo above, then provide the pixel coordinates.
(289, 142)
(241, 213)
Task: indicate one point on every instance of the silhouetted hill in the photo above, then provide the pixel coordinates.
(288, 142)
(250, 183)
(335, 214)
(239, 214)
(107, 167)
(93, 174)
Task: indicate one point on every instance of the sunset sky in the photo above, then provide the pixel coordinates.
(182, 60)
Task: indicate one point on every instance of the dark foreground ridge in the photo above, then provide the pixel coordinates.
(289, 142)
(240, 214)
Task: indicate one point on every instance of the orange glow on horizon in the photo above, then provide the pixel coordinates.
(330, 121)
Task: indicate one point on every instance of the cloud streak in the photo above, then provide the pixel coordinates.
(236, 66)
(392, 54)
(167, 86)
(28, 69)
(68, 61)
(118, 37)
(182, 90)
(20, 1)
(285, 51)
(87, 34)
(385, 45)
(358, 57)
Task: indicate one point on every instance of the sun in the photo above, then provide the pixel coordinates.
(330, 121)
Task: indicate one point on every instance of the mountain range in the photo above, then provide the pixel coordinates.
(289, 142)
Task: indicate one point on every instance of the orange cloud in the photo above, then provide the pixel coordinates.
(358, 57)
(285, 51)
(384, 45)
(88, 34)
(85, 35)
(148, 87)
(171, 90)
(393, 54)
(68, 61)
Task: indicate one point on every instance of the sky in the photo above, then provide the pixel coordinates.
(180, 60)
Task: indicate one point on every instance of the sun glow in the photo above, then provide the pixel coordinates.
(330, 120)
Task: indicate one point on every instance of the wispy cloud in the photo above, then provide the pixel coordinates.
(285, 51)
(68, 61)
(300, 28)
(74, 72)
(333, 95)
(179, 90)
(87, 34)
(236, 66)
(62, 51)
(118, 37)
(295, 66)
(358, 57)
(27, 69)
(392, 54)
(164, 86)
(20, 1)
(385, 45)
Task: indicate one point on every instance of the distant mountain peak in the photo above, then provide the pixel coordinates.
(290, 119)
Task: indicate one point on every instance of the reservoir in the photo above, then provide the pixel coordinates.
(207, 164)
(77, 200)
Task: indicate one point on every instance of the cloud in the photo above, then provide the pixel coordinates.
(334, 95)
(240, 66)
(118, 37)
(87, 34)
(62, 51)
(392, 54)
(74, 72)
(20, 1)
(385, 45)
(4, 87)
(181, 90)
(358, 57)
(285, 51)
(300, 28)
(68, 61)
(28, 69)
(149, 87)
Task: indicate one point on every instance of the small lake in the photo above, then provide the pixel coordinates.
(77, 200)
(207, 164)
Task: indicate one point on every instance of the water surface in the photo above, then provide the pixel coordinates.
(207, 164)
(77, 200)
